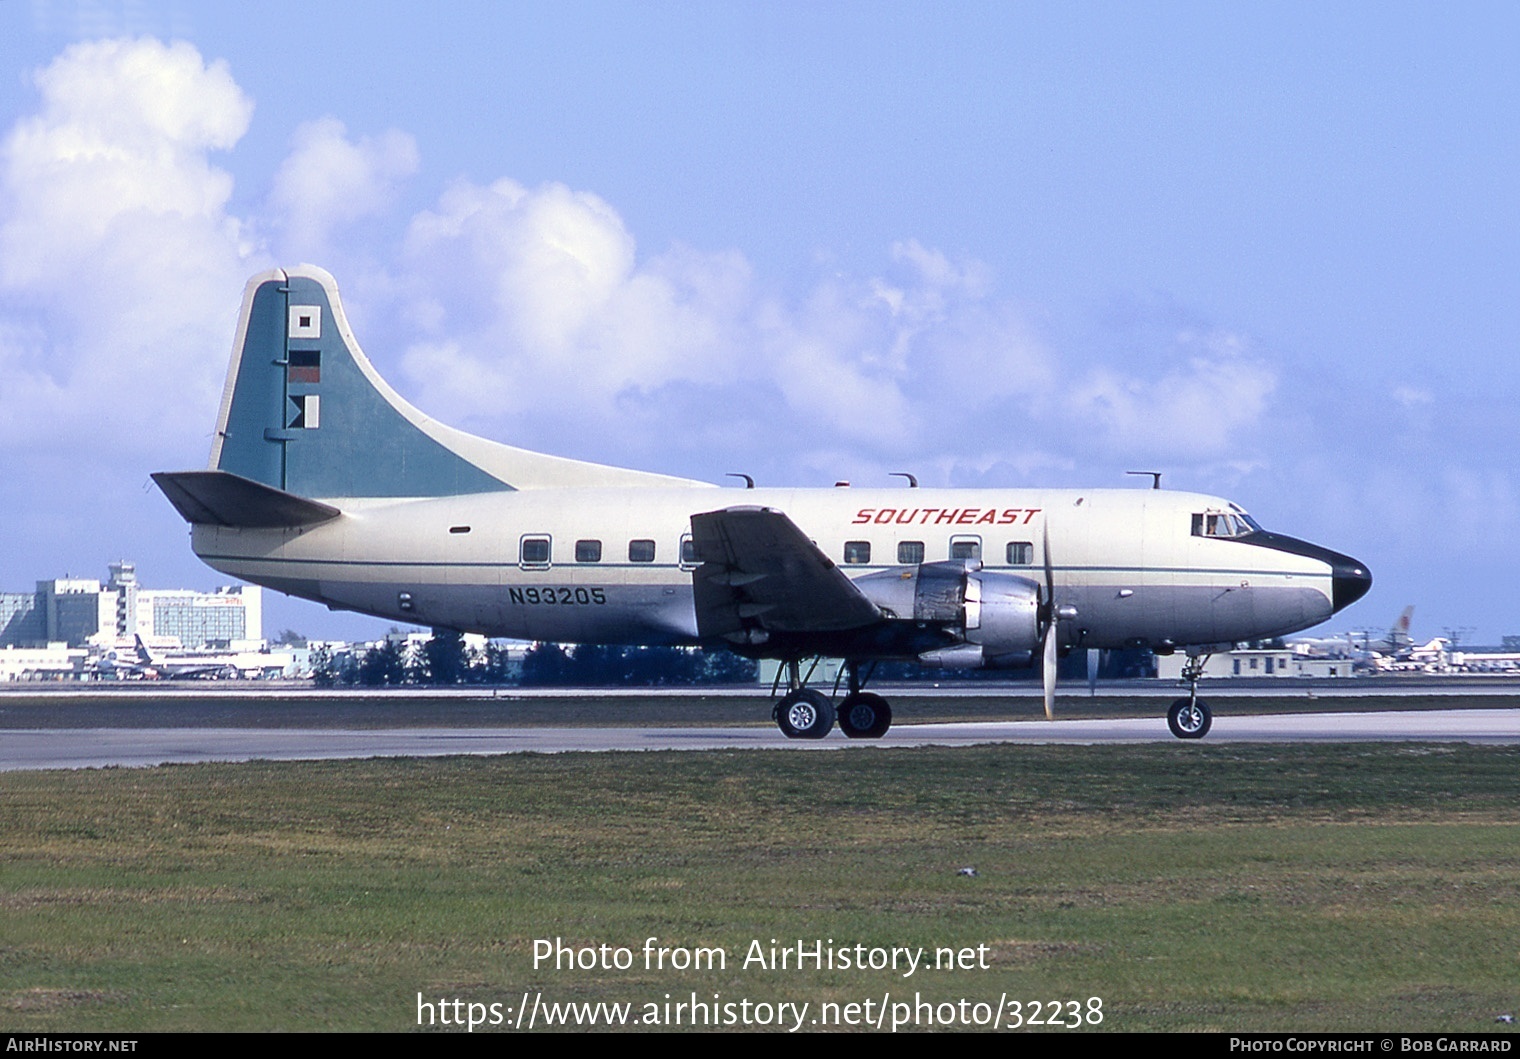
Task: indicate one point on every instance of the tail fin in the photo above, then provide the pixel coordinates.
(304, 411)
(1398, 635)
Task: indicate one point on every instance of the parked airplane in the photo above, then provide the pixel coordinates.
(324, 483)
(143, 663)
(1433, 656)
(1397, 638)
(1395, 642)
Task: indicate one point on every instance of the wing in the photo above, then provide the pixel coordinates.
(760, 574)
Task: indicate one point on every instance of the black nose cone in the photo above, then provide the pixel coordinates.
(1350, 579)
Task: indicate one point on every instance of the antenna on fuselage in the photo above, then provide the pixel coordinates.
(912, 479)
(1155, 477)
(749, 483)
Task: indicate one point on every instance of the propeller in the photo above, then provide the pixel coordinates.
(1048, 663)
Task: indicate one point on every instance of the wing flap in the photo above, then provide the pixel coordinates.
(761, 574)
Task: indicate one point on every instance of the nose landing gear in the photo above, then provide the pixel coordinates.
(1191, 718)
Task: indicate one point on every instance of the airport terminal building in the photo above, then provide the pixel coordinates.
(82, 612)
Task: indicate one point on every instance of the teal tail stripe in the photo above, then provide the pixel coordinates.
(304, 415)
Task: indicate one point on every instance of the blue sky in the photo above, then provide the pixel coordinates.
(1272, 250)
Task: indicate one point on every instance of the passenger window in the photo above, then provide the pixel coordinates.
(641, 551)
(535, 551)
(1020, 553)
(588, 551)
(688, 550)
(965, 547)
(910, 553)
(857, 552)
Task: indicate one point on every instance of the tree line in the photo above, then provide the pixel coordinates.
(445, 660)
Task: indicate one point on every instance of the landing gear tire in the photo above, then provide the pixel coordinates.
(863, 715)
(805, 714)
(1189, 718)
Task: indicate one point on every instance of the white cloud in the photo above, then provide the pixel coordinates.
(115, 242)
(329, 180)
(1412, 396)
(534, 294)
(537, 298)
(530, 313)
(1194, 412)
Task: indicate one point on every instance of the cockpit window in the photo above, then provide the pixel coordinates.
(1221, 524)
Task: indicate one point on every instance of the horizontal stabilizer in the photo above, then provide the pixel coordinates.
(219, 498)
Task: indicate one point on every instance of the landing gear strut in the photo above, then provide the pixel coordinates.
(863, 715)
(806, 713)
(1191, 718)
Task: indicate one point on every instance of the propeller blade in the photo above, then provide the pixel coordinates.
(1050, 573)
(1092, 671)
(1049, 670)
(1048, 666)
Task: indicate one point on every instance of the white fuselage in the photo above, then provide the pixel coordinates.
(571, 565)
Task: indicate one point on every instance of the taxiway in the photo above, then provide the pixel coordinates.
(75, 748)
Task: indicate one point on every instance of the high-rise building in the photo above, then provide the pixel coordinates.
(78, 611)
(124, 582)
(21, 619)
(201, 619)
(82, 611)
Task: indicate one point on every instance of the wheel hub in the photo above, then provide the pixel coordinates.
(801, 715)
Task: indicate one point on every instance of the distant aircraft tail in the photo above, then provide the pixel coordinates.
(1398, 635)
(305, 413)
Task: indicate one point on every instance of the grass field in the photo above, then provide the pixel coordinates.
(1188, 887)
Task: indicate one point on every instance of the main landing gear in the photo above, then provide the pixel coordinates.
(806, 713)
(1191, 718)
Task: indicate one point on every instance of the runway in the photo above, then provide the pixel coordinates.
(80, 748)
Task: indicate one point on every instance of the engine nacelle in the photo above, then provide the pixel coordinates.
(1003, 616)
(993, 616)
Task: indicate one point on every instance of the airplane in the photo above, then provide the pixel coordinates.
(121, 665)
(1397, 638)
(324, 483)
(1433, 656)
(1395, 642)
(144, 663)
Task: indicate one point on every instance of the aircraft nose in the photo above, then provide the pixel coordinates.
(1349, 578)
(1350, 581)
